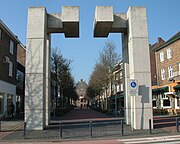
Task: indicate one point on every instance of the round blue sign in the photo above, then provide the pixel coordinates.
(133, 84)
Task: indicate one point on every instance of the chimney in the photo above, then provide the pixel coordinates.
(160, 40)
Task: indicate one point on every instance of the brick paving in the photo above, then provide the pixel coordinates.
(82, 114)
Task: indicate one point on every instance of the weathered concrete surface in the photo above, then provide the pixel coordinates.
(136, 58)
(106, 22)
(35, 68)
(67, 22)
(139, 67)
(37, 89)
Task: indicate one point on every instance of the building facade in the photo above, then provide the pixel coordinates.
(167, 55)
(20, 78)
(83, 100)
(8, 67)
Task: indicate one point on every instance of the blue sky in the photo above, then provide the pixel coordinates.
(163, 21)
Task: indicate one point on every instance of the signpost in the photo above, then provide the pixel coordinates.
(133, 87)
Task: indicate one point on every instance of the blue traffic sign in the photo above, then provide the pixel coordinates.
(133, 84)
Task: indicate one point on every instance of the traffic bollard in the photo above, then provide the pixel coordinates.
(150, 128)
(122, 127)
(0, 125)
(90, 126)
(177, 124)
(60, 130)
(24, 134)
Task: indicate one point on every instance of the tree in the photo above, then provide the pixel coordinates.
(103, 69)
(60, 73)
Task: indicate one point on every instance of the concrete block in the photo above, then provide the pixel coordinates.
(34, 93)
(103, 21)
(35, 60)
(137, 22)
(34, 119)
(55, 23)
(70, 20)
(37, 19)
(120, 23)
(139, 58)
(104, 14)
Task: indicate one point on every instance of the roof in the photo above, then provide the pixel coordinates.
(157, 44)
(9, 32)
(171, 40)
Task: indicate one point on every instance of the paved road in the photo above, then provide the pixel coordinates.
(82, 114)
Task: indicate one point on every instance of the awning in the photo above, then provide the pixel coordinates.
(119, 96)
(161, 90)
(170, 94)
(177, 87)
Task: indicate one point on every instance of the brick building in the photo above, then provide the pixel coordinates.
(8, 66)
(20, 78)
(165, 93)
(81, 88)
(153, 60)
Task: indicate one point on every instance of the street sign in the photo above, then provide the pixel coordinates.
(133, 87)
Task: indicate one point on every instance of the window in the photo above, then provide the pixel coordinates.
(170, 71)
(121, 74)
(11, 47)
(163, 74)
(122, 87)
(169, 53)
(161, 56)
(118, 88)
(154, 103)
(0, 34)
(166, 103)
(1, 103)
(10, 68)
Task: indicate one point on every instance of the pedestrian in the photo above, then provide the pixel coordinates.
(11, 109)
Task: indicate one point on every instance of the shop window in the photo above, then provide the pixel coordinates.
(1, 103)
(166, 102)
(164, 96)
(154, 103)
(177, 101)
(9, 99)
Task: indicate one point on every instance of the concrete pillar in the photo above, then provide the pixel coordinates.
(127, 97)
(35, 80)
(139, 67)
(48, 79)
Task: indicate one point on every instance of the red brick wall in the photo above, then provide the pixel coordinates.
(174, 61)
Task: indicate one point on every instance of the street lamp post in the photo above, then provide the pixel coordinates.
(54, 85)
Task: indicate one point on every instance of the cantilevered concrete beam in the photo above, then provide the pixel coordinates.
(106, 22)
(67, 22)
